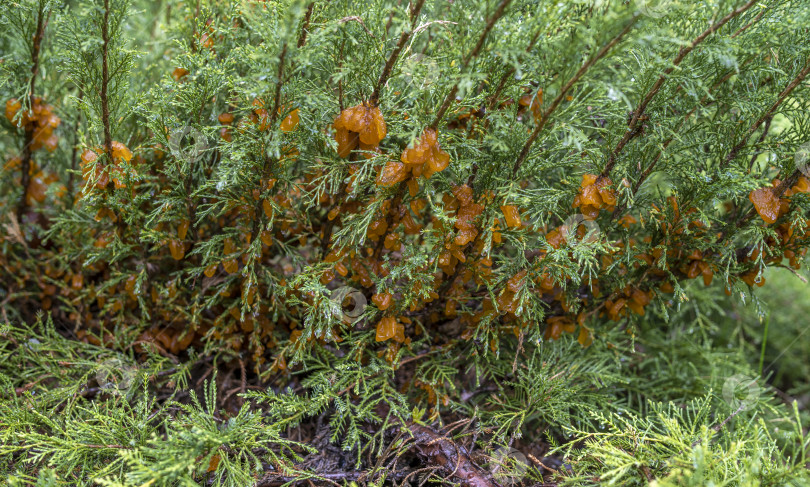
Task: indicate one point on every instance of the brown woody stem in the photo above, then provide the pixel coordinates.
(768, 114)
(25, 165)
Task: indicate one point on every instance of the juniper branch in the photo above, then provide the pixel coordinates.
(302, 39)
(704, 101)
(499, 11)
(632, 129)
(524, 152)
(768, 113)
(392, 59)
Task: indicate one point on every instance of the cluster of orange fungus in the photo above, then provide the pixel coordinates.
(512, 216)
(383, 301)
(389, 328)
(466, 262)
(557, 325)
(392, 173)
(361, 126)
(39, 183)
(179, 73)
(506, 300)
(260, 116)
(101, 175)
(226, 119)
(630, 298)
(466, 213)
(595, 194)
(39, 120)
(696, 266)
(426, 156)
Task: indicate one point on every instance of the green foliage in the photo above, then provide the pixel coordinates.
(679, 445)
(184, 211)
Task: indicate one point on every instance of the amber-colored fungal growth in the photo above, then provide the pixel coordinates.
(595, 194)
(182, 229)
(13, 106)
(533, 102)
(179, 73)
(426, 156)
(40, 121)
(512, 216)
(556, 325)
(769, 207)
(388, 328)
(177, 249)
(555, 238)
(392, 173)
(802, 185)
(98, 174)
(426, 253)
(627, 220)
(290, 122)
(229, 264)
(120, 151)
(383, 301)
(750, 278)
(104, 173)
(360, 126)
(468, 211)
(38, 186)
(260, 115)
(696, 266)
(225, 118)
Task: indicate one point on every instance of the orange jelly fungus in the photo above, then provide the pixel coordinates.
(769, 207)
(359, 126)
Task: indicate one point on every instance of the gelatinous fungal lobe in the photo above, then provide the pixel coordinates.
(290, 122)
(512, 216)
(390, 328)
(39, 120)
(361, 126)
(426, 157)
(769, 207)
(103, 173)
(392, 173)
(595, 194)
(533, 102)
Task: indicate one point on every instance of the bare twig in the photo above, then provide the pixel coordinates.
(25, 165)
(749, 24)
(302, 38)
(759, 141)
(271, 123)
(357, 19)
(105, 81)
